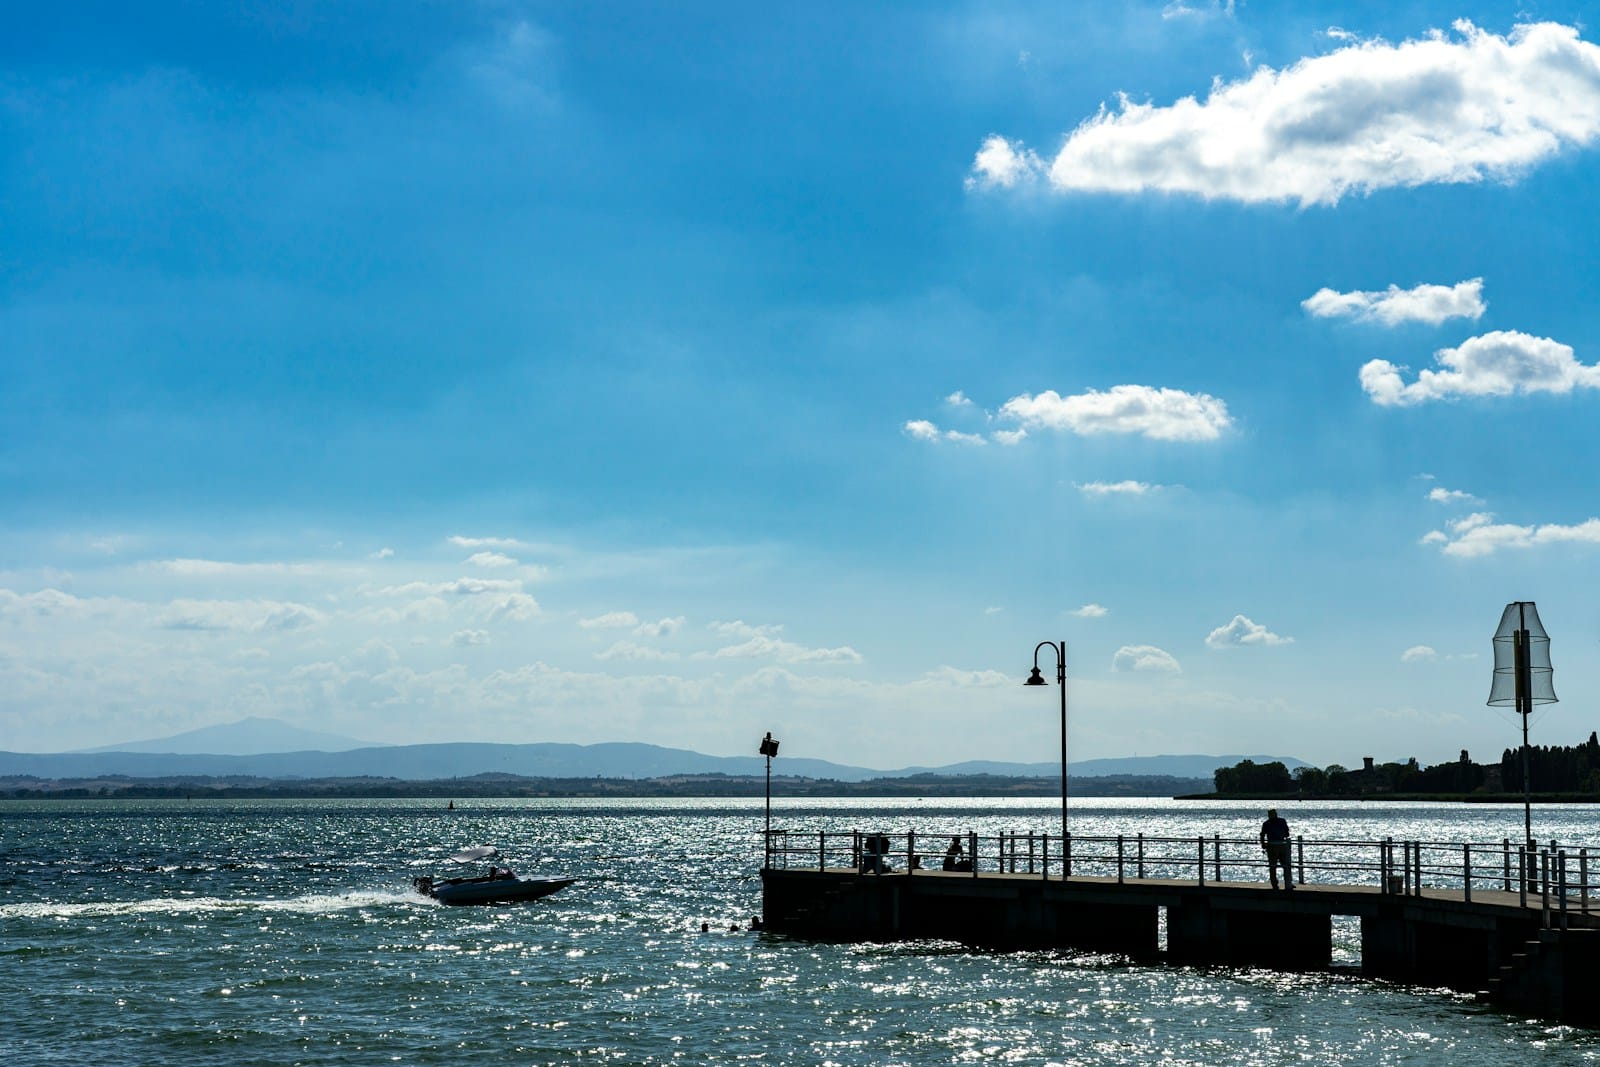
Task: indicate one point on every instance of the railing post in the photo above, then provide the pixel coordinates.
(1141, 856)
(911, 851)
(1543, 874)
(1300, 858)
(1216, 855)
(972, 839)
(1522, 876)
(1466, 873)
(1030, 851)
(1046, 864)
(1066, 856)
(1505, 853)
(1561, 884)
(1583, 879)
(1200, 855)
(1416, 868)
(1119, 859)
(822, 850)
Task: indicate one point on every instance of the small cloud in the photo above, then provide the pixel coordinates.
(923, 430)
(1126, 488)
(383, 553)
(958, 399)
(1008, 437)
(1432, 304)
(488, 542)
(993, 611)
(1089, 611)
(1441, 495)
(740, 628)
(1144, 658)
(660, 628)
(611, 620)
(1157, 414)
(1241, 631)
(628, 650)
(462, 638)
(491, 559)
(1418, 652)
(1500, 363)
(1003, 164)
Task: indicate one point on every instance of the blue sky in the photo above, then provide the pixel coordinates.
(558, 372)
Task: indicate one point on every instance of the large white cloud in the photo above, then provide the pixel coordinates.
(1161, 414)
(1432, 304)
(1479, 535)
(1243, 631)
(1499, 363)
(1370, 115)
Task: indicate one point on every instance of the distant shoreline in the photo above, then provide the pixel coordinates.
(502, 786)
(1379, 798)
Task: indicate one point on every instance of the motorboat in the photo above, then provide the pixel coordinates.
(500, 886)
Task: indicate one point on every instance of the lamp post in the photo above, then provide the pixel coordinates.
(1522, 678)
(1036, 678)
(769, 748)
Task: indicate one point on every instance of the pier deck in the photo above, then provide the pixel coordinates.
(1507, 923)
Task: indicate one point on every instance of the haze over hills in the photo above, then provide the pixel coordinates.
(236, 751)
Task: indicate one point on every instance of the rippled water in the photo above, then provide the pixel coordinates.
(281, 932)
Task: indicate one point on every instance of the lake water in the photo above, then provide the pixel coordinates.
(285, 932)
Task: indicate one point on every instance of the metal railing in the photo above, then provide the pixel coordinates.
(1552, 876)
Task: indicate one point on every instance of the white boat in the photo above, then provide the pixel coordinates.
(500, 886)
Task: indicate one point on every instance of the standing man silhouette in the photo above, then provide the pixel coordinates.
(1275, 840)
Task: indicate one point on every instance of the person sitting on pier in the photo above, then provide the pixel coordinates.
(955, 857)
(1275, 840)
(876, 850)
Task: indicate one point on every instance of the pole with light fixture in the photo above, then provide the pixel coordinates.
(769, 748)
(1522, 678)
(1036, 678)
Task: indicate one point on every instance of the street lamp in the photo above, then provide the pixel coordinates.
(1522, 678)
(1036, 678)
(769, 748)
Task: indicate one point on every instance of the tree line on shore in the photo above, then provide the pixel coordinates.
(1568, 769)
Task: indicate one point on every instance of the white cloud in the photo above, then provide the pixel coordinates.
(611, 620)
(1089, 611)
(511, 607)
(239, 616)
(759, 647)
(1159, 414)
(462, 638)
(740, 628)
(1144, 658)
(215, 568)
(1499, 363)
(1008, 437)
(45, 602)
(1418, 652)
(1432, 304)
(1125, 488)
(956, 678)
(1003, 164)
(923, 430)
(1209, 9)
(1441, 495)
(488, 542)
(1479, 535)
(958, 399)
(491, 559)
(1241, 631)
(661, 627)
(628, 650)
(382, 553)
(1369, 115)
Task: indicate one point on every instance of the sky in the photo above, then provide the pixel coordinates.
(518, 372)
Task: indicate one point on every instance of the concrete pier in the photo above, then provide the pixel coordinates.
(1500, 944)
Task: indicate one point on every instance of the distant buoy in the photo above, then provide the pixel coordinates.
(451, 806)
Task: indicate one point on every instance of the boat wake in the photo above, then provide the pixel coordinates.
(312, 904)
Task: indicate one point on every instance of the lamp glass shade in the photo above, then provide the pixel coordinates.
(1521, 615)
(1036, 678)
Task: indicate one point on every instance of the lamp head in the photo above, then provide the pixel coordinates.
(1036, 678)
(769, 747)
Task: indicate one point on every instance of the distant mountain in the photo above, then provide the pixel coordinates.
(247, 737)
(186, 754)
